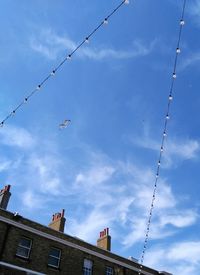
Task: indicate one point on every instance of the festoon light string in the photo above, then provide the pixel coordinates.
(164, 134)
(170, 98)
(68, 57)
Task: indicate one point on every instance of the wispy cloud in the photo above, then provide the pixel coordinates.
(32, 200)
(179, 258)
(51, 45)
(16, 137)
(106, 193)
(30, 166)
(177, 149)
(194, 11)
(95, 176)
(125, 190)
(5, 164)
(45, 168)
(180, 219)
(190, 60)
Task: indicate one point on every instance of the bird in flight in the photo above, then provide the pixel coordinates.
(64, 124)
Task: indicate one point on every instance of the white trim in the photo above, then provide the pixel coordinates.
(21, 268)
(24, 247)
(68, 243)
(57, 258)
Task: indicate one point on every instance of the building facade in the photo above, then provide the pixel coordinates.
(27, 247)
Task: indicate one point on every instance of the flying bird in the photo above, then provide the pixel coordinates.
(64, 124)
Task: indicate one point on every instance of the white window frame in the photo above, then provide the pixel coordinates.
(28, 248)
(109, 270)
(55, 257)
(87, 267)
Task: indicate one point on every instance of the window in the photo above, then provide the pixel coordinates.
(109, 270)
(54, 257)
(87, 267)
(24, 247)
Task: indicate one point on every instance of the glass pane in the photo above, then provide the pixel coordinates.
(53, 261)
(55, 252)
(24, 252)
(87, 263)
(25, 242)
(87, 271)
(109, 270)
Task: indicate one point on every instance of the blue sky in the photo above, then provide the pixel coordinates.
(101, 168)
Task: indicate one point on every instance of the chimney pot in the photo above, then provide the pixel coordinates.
(5, 196)
(58, 221)
(105, 240)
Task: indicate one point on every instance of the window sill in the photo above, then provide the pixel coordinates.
(22, 258)
(53, 267)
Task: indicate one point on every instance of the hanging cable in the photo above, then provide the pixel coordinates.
(164, 135)
(53, 72)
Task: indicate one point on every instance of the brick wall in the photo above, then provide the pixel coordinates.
(71, 259)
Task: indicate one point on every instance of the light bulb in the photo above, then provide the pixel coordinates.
(105, 21)
(69, 56)
(167, 116)
(161, 149)
(1, 124)
(53, 73)
(174, 75)
(159, 163)
(38, 87)
(126, 2)
(87, 40)
(182, 22)
(164, 134)
(13, 113)
(178, 50)
(25, 100)
(170, 97)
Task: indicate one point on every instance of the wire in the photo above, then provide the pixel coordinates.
(164, 134)
(69, 56)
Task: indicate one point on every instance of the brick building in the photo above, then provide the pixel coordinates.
(27, 247)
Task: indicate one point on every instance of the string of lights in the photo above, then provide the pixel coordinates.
(164, 135)
(68, 57)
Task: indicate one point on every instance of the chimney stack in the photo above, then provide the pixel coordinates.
(5, 196)
(58, 221)
(104, 240)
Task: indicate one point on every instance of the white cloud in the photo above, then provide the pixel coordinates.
(122, 195)
(192, 59)
(175, 149)
(107, 193)
(92, 224)
(164, 199)
(138, 230)
(4, 164)
(185, 251)
(186, 149)
(124, 207)
(32, 200)
(194, 11)
(46, 176)
(51, 45)
(178, 258)
(137, 50)
(95, 176)
(18, 137)
(187, 218)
